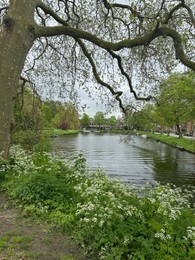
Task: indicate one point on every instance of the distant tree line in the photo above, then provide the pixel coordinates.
(100, 121)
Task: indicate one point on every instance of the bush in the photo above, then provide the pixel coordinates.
(110, 220)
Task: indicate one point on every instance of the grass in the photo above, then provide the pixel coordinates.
(59, 132)
(183, 143)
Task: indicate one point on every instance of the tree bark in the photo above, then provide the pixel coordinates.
(16, 39)
(179, 130)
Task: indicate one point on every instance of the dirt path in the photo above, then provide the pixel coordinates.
(23, 239)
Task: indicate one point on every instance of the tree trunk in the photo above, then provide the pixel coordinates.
(179, 130)
(16, 39)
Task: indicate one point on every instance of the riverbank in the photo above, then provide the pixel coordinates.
(187, 144)
(58, 132)
(181, 143)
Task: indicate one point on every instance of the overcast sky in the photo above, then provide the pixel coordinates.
(93, 106)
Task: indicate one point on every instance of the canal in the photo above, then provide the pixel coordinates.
(134, 159)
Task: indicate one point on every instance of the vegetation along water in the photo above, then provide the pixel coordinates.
(110, 220)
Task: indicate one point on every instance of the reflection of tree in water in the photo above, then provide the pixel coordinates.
(166, 168)
(168, 164)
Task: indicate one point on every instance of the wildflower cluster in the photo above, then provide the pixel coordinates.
(100, 204)
(111, 221)
(169, 200)
(162, 235)
(20, 161)
(191, 235)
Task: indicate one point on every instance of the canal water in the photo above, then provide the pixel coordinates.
(134, 159)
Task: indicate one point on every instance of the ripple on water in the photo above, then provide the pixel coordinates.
(137, 161)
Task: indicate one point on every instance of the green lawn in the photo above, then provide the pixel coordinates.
(185, 143)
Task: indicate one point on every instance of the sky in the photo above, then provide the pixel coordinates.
(93, 106)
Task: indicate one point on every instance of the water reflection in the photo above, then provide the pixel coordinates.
(136, 160)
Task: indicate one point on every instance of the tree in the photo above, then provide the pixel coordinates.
(85, 120)
(112, 121)
(99, 118)
(176, 100)
(71, 116)
(83, 38)
(67, 117)
(46, 115)
(144, 119)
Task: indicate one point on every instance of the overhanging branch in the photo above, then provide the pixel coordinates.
(116, 94)
(127, 43)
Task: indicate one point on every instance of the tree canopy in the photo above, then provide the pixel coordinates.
(125, 45)
(85, 120)
(176, 100)
(99, 118)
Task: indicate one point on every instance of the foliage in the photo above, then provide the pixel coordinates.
(59, 132)
(112, 121)
(27, 129)
(59, 115)
(99, 118)
(142, 119)
(176, 100)
(85, 120)
(174, 106)
(110, 220)
(183, 143)
(31, 117)
(3, 165)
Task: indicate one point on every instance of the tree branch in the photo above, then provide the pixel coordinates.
(116, 94)
(3, 8)
(76, 33)
(127, 43)
(114, 55)
(50, 11)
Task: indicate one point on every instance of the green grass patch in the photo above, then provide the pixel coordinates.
(185, 143)
(20, 243)
(3, 242)
(59, 132)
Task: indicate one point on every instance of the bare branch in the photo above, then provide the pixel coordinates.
(116, 94)
(114, 55)
(50, 11)
(39, 56)
(190, 14)
(127, 43)
(169, 15)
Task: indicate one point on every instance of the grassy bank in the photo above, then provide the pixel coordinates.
(109, 220)
(182, 143)
(59, 132)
